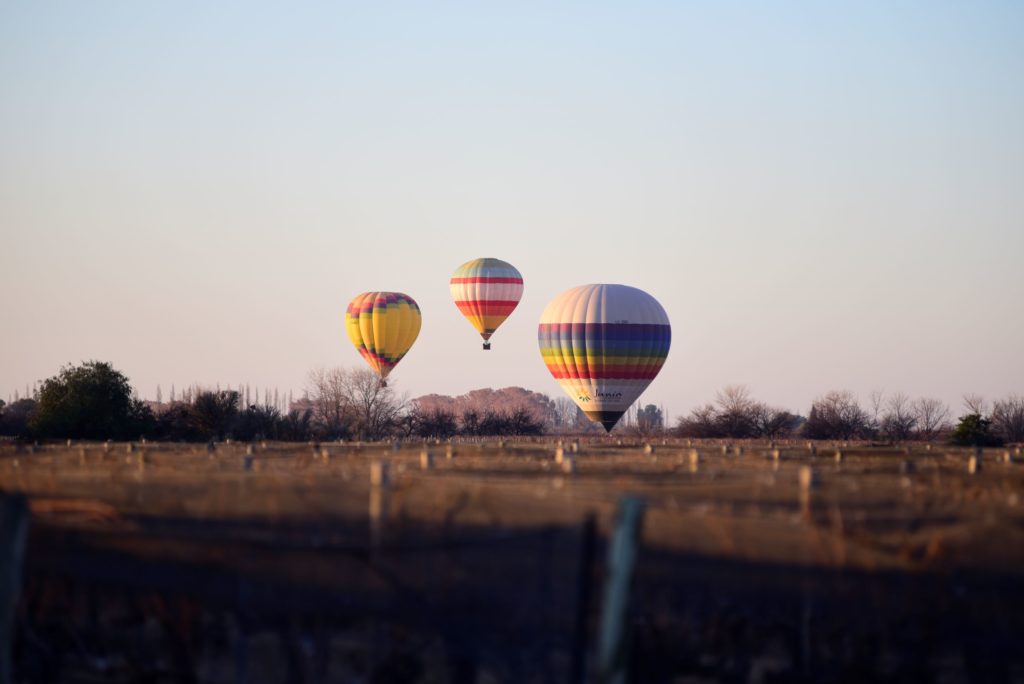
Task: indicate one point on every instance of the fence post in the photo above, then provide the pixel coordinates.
(584, 580)
(13, 531)
(612, 647)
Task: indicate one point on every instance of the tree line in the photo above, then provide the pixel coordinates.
(94, 401)
(838, 415)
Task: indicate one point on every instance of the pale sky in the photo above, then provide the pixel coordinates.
(820, 197)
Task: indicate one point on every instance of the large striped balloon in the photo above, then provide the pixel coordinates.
(604, 344)
(486, 291)
(382, 326)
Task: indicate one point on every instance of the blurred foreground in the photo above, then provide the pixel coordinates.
(486, 561)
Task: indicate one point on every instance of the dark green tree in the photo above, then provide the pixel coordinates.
(90, 401)
(975, 430)
(214, 412)
(14, 417)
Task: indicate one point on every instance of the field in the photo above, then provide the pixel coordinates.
(487, 561)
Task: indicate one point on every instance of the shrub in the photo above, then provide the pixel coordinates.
(975, 430)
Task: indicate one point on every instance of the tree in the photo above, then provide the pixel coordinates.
(15, 417)
(899, 419)
(975, 403)
(214, 412)
(773, 422)
(563, 414)
(650, 420)
(932, 416)
(328, 393)
(91, 401)
(975, 430)
(1008, 418)
(702, 423)
(735, 414)
(836, 415)
(735, 411)
(436, 423)
(353, 402)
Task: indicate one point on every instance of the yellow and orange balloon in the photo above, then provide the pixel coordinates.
(486, 292)
(383, 327)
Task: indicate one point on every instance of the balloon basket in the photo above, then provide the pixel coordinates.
(487, 346)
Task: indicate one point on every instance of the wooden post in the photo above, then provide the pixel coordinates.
(426, 460)
(808, 483)
(584, 584)
(13, 532)
(379, 475)
(622, 549)
(694, 460)
(380, 482)
(559, 455)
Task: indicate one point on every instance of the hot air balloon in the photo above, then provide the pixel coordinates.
(486, 291)
(604, 344)
(382, 326)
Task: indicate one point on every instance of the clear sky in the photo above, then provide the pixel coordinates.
(822, 195)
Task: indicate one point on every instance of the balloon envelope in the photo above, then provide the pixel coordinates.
(604, 344)
(486, 292)
(382, 326)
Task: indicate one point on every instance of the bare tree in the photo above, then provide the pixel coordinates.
(328, 391)
(736, 409)
(837, 415)
(932, 417)
(563, 414)
(975, 403)
(899, 419)
(376, 407)
(772, 422)
(353, 402)
(702, 423)
(877, 401)
(1008, 418)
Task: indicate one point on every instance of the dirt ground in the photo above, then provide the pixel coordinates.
(283, 562)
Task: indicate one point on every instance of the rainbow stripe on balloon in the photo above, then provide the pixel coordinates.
(604, 344)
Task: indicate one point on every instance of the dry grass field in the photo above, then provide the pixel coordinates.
(476, 561)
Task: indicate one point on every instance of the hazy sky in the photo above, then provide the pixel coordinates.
(820, 197)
